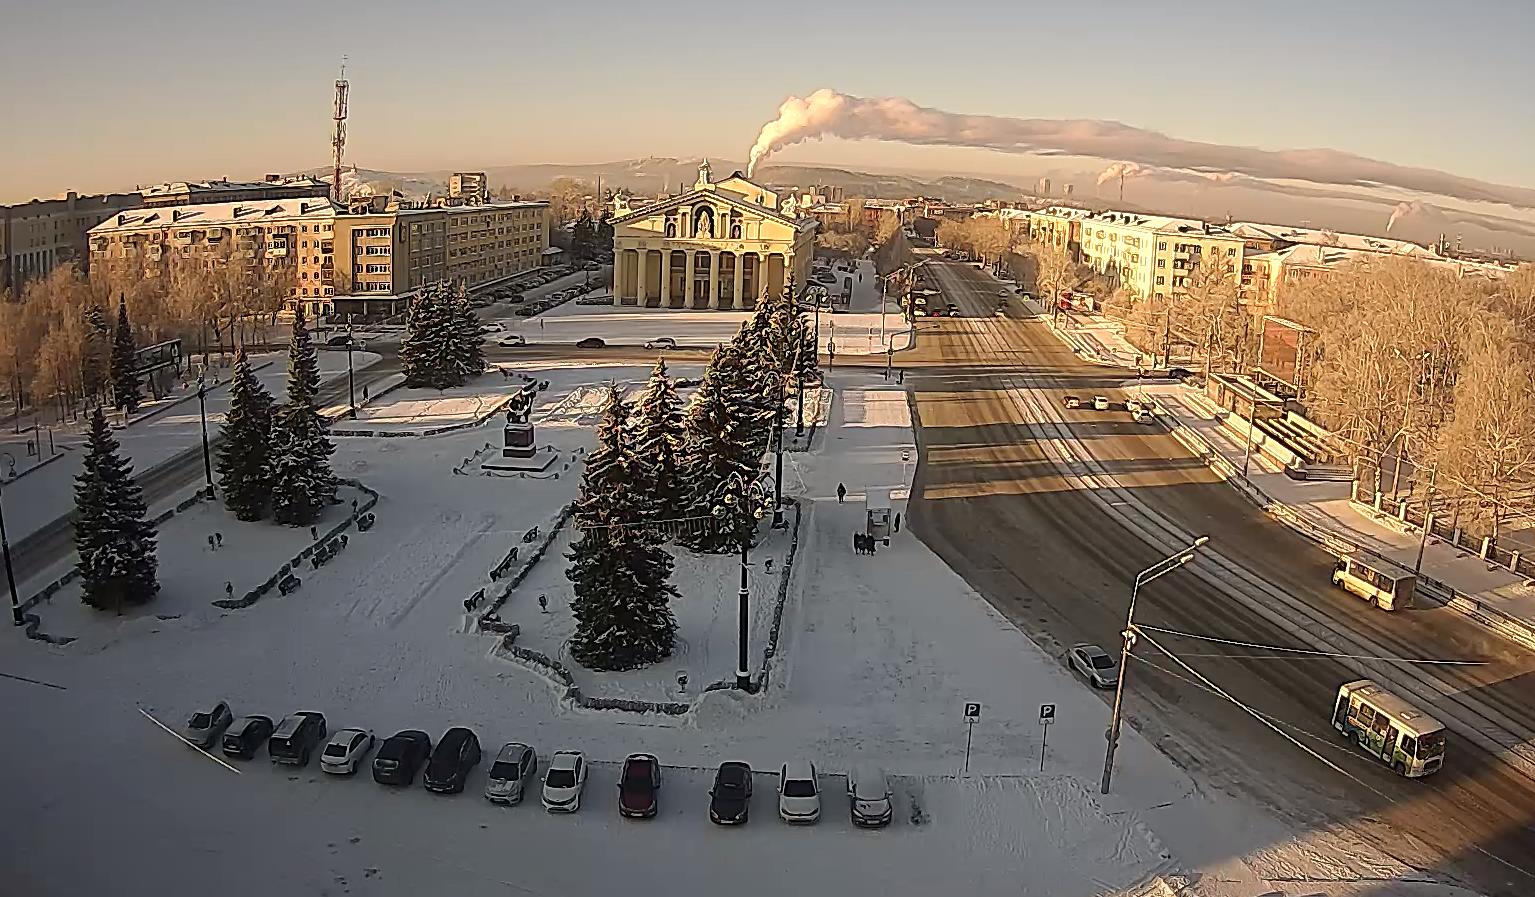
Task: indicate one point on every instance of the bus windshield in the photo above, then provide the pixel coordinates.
(1431, 745)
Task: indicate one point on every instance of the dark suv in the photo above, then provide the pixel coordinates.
(456, 754)
(400, 756)
(245, 736)
(731, 796)
(296, 737)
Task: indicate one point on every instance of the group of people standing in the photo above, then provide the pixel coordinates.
(863, 543)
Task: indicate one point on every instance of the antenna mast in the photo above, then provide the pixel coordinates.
(338, 141)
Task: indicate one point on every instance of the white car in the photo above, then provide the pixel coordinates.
(511, 341)
(563, 781)
(799, 794)
(344, 750)
(493, 327)
(663, 342)
(1132, 406)
(1094, 664)
(1100, 403)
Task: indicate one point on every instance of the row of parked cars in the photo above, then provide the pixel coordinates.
(514, 773)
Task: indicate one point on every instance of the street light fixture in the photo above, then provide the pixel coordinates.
(743, 499)
(5, 546)
(1164, 566)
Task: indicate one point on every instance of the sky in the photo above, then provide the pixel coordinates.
(101, 96)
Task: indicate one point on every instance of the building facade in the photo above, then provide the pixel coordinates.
(273, 186)
(39, 235)
(471, 185)
(721, 245)
(1145, 255)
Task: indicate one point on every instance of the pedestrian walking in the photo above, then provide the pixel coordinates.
(871, 543)
(857, 542)
(211, 546)
(841, 492)
(901, 375)
(218, 540)
(897, 521)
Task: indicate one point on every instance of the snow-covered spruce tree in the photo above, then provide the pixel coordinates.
(245, 474)
(468, 341)
(125, 383)
(619, 570)
(426, 350)
(718, 441)
(302, 481)
(115, 542)
(753, 384)
(96, 354)
(655, 436)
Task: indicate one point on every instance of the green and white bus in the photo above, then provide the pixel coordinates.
(1388, 728)
(1375, 583)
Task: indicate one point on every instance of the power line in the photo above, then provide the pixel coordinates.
(1307, 651)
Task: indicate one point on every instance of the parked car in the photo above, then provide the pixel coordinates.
(826, 277)
(204, 727)
(526, 311)
(1132, 405)
(492, 327)
(1143, 416)
(457, 752)
(563, 782)
(511, 341)
(868, 792)
(591, 342)
(245, 736)
(296, 737)
(662, 342)
(400, 756)
(730, 798)
(344, 750)
(953, 310)
(1001, 312)
(1179, 373)
(1100, 403)
(340, 341)
(638, 786)
(799, 793)
(1094, 664)
(511, 774)
(1073, 401)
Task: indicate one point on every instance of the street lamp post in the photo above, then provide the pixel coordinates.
(1166, 565)
(202, 412)
(778, 454)
(351, 379)
(10, 575)
(1428, 521)
(742, 498)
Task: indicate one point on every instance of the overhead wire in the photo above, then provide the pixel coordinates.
(1306, 651)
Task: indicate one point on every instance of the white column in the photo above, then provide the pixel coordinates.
(639, 280)
(687, 283)
(735, 282)
(714, 279)
(666, 277)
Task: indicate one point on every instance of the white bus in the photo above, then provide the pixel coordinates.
(1388, 728)
(1385, 589)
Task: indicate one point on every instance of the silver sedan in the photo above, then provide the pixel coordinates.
(1094, 664)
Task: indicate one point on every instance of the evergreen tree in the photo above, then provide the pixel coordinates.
(443, 345)
(125, 383)
(96, 354)
(655, 433)
(301, 478)
(468, 343)
(618, 568)
(583, 235)
(115, 542)
(754, 383)
(719, 439)
(604, 231)
(245, 460)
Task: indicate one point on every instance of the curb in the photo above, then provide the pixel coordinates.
(1521, 632)
(41, 464)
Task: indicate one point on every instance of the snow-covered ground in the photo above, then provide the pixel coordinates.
(40, 498)
(413, 410)
(877, 658)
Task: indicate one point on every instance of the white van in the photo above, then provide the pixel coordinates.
(1385, 589)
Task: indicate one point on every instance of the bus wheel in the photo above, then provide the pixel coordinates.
(1399, 768)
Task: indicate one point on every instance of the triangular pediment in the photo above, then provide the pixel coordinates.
(717, 197)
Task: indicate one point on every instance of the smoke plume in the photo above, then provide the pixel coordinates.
(828, 113)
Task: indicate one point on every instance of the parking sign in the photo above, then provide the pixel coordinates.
(1046, 714)
(972, 711)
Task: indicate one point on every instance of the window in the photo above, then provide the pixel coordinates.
(1161, 281)
(1162, 245)
(1161, 263)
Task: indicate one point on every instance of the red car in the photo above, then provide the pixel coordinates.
(638, 786)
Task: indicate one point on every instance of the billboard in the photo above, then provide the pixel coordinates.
(1281, 351)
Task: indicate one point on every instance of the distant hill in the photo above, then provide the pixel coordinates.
(656, 174)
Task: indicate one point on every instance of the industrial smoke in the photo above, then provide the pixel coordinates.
(828, 113)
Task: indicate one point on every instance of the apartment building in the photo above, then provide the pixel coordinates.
(36, 236)
(470, 185)
(273, 186)
(297, 235)
(1146, 255)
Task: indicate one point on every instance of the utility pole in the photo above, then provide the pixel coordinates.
(1166, 565)
(1428, 521)
(202, 413)
(10, 575)
(351, 379)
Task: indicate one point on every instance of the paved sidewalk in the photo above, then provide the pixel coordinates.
(1499, 598)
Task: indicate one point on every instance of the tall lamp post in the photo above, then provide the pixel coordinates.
(351, 379)
(202, 412)
(741, 500)
(5, 545)
(1165, 565)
